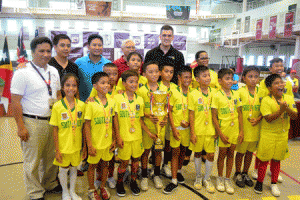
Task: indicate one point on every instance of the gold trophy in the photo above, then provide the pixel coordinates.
(159, 106)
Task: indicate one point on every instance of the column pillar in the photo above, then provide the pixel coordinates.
(297, 48)
(244, 5)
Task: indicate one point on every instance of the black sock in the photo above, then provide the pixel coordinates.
(273, 183)
(157, 170)
(120, 177)
(167, 156)
(145, 173)
(237, 173)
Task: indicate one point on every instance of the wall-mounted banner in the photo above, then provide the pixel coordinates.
(151, 41)
(247, 24)
(75, 38)
(109, 54)
(76, 52)
(258, 34)
(178, 12)
(293, 8)
(119, 37)
(179, 42)
(54, 33)
(272, 30)
(288, 24)
(98, 8)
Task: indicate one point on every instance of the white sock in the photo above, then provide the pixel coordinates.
(63, 179)
(198, 166)
(208, 168)
(73, 177)
(174, 180)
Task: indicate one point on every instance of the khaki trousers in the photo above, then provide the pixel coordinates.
(39, 153)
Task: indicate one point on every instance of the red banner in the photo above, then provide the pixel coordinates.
(239, 65)
(258, 34)
(288, 25)
(272, 31)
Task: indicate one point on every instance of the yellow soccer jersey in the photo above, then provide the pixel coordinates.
(222, 103)
(214, 83)
(263, 90)
(180, 101)
(124, 118)
(251, 133)
(101, 138)
(142, 81)
(197, 102)
(278, 128)
(68, 142)
(296, 81)
(144, 92)
(165, 88)
(111, 94)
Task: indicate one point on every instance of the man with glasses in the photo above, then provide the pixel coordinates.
(165, 52)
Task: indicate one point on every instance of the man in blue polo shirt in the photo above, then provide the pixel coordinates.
(90, 64)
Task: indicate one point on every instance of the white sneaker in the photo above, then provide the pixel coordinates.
(220, 184)
(66, 196)
(158, 182)
(254, 174)
(97, 184)
(93, 195)
(198, 183)
(74, 196)
(144, 184)
(151, 174)
(274, 190)
(209, 186)
(111, 182)
(280, 179)
(167, 171)
(229, 186)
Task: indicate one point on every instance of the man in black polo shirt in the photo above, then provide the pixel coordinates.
(165, 52)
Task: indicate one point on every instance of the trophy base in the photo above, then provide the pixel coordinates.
(158, 147)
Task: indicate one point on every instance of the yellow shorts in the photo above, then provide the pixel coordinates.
(101, 154)
(269, 149)
(246, 146)
(232, 140)
(133, 149)
(73, 159)
(148, 142)
(184, 138)
(204, 142)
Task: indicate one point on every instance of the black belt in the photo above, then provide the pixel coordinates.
(36, 117)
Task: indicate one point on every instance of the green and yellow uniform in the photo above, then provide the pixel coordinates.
(101, 117)
(273, 142)
(251, 109)
(204, 129)
(214, 83)
(142, 81)
(111, 94)
(263, 90)
(133, 141)
(296, 81)
(227, 115)
(69, 143)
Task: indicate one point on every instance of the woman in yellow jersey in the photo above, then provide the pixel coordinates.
(67, 119)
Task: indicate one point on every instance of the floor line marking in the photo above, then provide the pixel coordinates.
(16, 163)
(294, 197)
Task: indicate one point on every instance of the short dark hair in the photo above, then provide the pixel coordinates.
(149, 63)
(275, 60)
(270, 79)
(60, 37)
(233, 69)
(249, 69)
(65, 78)
(185, 68)
(167, 28)
(97, 76)
(223, 72)
(164, 64)
(125, 75)
(110, 65)
(134, 53)
(198, 54)
(199, 69)
(39, 40)
(94, 36)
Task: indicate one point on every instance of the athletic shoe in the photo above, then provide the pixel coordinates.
(254, 174)
(170, 188)
(93, 195)
(144, 184)
(66, 196)
(120, 189)
(274, 190)
(97, 184)
(135, 188)
(111, 182)
(280, 179)
(220, 184)
(239, 181)
(209, 186)
(247, 180)
(198, 183)
(180, 178)
(74, 196)
(258, 187)
(229, 186)
(158, 182)
(167, 171)
(105, 195)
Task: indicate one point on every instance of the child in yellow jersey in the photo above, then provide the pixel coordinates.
(228, 122)
(129, 117)
(167, 72)
(135, 61)
(251, 121)
(67, 119)
(202, 129)
(179, 122)
(99, 134)
(151, 72)
(276, 109)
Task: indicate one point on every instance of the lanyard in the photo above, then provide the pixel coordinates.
(47, 83)
(251, 103)
(106, 116)
(133, 112)
(230, 104)
(205, 107)
(112, 94)
(73, 121)
(184, 108)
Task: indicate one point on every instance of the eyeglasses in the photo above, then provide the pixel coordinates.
(130, 47)
(204, 58)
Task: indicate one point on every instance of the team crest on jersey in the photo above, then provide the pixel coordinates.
(235, 101)
(79, 114)
(138, 107)
(200, 101)
(285, 90)
(123, 106)
(64, 116)
(140, 84)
